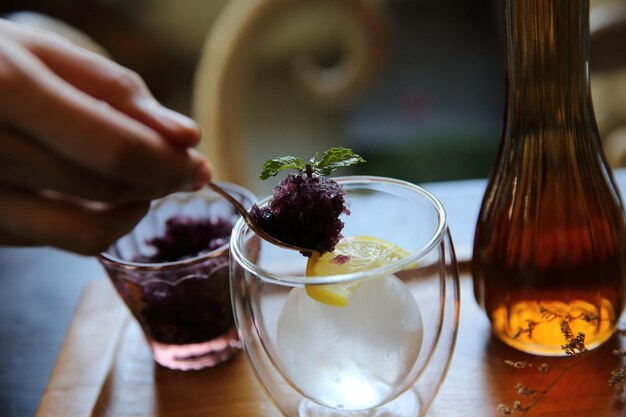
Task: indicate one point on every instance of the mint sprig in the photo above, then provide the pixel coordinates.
(333, 159)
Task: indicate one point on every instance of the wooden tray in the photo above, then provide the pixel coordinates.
(105, 369)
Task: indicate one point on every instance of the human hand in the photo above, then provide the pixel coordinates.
(84, 146)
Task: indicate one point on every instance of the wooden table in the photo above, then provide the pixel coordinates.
(105, 369)
(42, 287)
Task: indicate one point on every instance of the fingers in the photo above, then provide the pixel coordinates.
(76, 131)
(41, 221)
(26, 165)
(105, 80)
(121, 88)
(91, 133)
(7, 240)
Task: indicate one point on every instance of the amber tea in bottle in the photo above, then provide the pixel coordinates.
(550, 245)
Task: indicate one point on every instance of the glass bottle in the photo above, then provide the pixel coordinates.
(550, 244)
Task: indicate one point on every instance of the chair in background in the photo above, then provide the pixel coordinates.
(275, 75)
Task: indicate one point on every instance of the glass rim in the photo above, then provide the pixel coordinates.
(117, 262)
(389, 268)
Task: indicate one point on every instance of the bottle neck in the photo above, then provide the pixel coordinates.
(547, 45)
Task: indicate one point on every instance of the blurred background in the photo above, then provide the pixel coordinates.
(414, 86)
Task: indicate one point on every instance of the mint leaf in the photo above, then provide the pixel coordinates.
(335, 158)
(332, 159)
(273, 166)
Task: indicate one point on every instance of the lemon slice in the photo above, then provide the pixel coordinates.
(352, 254)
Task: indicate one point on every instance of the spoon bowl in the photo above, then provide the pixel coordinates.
(252, 224)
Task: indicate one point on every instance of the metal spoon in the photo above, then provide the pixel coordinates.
(250, 221)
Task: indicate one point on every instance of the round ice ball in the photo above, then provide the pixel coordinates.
(352, 357)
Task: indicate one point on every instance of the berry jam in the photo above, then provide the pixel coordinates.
(304, 211)
(186, 238)
(182, 304)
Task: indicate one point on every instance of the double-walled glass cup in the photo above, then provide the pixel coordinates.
(384, 354)
(183, 307)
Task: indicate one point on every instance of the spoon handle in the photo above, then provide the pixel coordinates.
(232, 200)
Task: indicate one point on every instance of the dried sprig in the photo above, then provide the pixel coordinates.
(518, 364)
(528, 330)
(586, 316)
(517, 406)
(524, 391)
(575, 348)
(544, 368)
(566, 330)
(618, 377)
(548, 315)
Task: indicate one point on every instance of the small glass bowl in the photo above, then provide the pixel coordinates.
(183, 307)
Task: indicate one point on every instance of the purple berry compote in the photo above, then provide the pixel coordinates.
(181, 304)
(304, 211)
(305, 207)
(186, 238)
(171, 270)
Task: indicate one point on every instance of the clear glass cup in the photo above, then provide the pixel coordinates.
(387, 352)
(183, 307)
